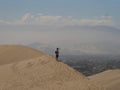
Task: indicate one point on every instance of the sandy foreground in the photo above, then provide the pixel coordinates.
(23, 68)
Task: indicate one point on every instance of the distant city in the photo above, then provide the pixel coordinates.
(87, 64)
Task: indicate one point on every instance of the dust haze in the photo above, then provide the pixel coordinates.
(85, 39)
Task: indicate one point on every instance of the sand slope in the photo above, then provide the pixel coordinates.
(42, 73)
(109, 79)
(14, 53)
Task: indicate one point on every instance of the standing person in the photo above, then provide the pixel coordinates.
(57, 53)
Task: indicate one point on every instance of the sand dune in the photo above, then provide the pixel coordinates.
(109, 79)
(41, 73)
(14, 53)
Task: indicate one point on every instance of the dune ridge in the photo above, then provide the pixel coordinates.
(42, 72)
(109, 79)
(15, 53)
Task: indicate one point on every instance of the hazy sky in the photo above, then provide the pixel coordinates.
(75, 8)
(65, 22)
(79, 9)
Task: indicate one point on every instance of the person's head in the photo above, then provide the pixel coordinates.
(57, 48)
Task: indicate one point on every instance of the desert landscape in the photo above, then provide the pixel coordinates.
(59, 45)
(23, 68)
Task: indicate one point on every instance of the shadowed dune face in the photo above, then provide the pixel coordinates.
(40, 73)
(109, 79)
(14, 53)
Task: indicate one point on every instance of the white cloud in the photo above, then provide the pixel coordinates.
(3, 22)
(27, 18)
(47, 20)
(106, 17)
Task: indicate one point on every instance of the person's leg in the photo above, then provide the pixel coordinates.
(57, 57)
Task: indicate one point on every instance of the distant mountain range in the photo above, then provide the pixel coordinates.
(82, 40)
(51, 49)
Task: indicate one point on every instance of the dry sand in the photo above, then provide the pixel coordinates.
(38, 73)
(15, 53)
(109, 79)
